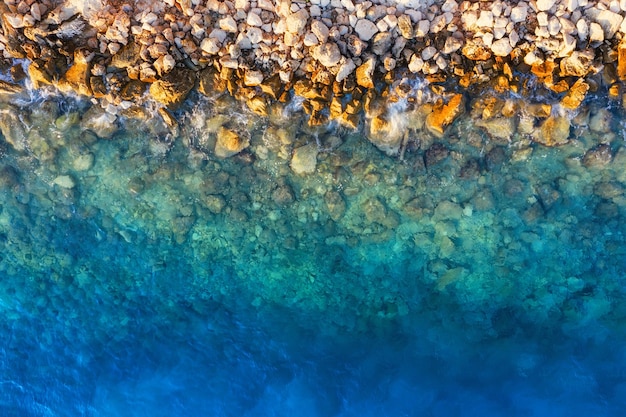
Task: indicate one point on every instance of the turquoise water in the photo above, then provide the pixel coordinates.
(143, 276)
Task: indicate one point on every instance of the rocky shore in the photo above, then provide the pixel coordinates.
(348, 61)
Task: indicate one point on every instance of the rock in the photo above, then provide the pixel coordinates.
(127, 57)
(519, 13)
(103, 124)
(304, 159)
(365, 29)
(475, 50)
(335, 204)
(346, 68)
(600, 121)
(575, 95)
(599, 156)
(172, 89)
(610, 22)
(501, 47)
(444, 114)
(545, 5)
(452, 45)
(296, 22)
(8, 88)
(327, 54)
(228, 24)
(577, 64)
(283, 195)
(229, 143)
(596, 33)
(365, 73)
(385, 135)
(621, 60)
(554, 131)
(416, 63)
(498, 127)
(12, 129)
(435, 154)
(64, 181)
(405, 27)
(320, 30)
(83, 162)
(381, 43)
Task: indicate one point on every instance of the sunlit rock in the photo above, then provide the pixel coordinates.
(304, 159)
(229, 143)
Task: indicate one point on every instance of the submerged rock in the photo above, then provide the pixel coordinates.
(599, 156)
(229, 143)
(304, 159)
(554, 131)
(103, 124)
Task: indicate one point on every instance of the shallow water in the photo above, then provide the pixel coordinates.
(162, 281)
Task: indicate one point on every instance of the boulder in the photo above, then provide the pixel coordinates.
(575, 95)
(443, 115)
(385, 135)
(327, 54)
(577, 64)
(296, 22)
(77, 76)
(365, 73)
(365, 29)
(304, 159)
(103, 124)
(173, 88)
(229, 143)
(599, 156)
(554, 131)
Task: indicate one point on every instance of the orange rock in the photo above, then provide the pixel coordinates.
(543, 70)
(575, 95)
(553, 132)
(621, 60)
(443, 115)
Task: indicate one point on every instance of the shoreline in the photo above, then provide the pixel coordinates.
(347, 62)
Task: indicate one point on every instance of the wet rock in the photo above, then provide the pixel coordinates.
(470, 170)
(173, 88)
(554, 131)
(304, 159)
(577, 64)
(600, 121)
(435, 154)
(495, 158)
(12, 129)
(83, 162)
(365, 73)
(64, 181)
(229, 143)
(215, 203)
(548, 195)
(7, 88)
(103, 124)
(9, 177)
(599, 156)
(283, 195)
(335, 204)
(444, 114)
(575, 95)
(385, 135)
(609, 190)
(501, 128)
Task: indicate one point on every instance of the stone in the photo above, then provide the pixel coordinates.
(600, 121)
(365, 73)
(452, 44)
(296, 22)
(405, 27)
(365, 29)
(381, 43)
(345, 69)
(327, 54)
(443, 115)
(554, 131)
(597, 157)
(335, 204)
(228, 24)
(173, 88)
(476, 50)
(283, 195)
(416, 63)
(320, 30)
(596, 33)
(498, 127)
(576, 94)
(577, 64)
(485, 19)
(545, 5)
(423, 26)
(64, 181)
(304, 159)
(229, 143)
(385, 135)
(103, 124)
(610, 22)
(621, 60)
(435, 154)
(83, 162)
(501, 47)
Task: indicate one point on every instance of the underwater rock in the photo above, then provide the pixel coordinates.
(600, 121)
(283, 195)
(103, 124)
(599, 156)
(384, 135)
(335, 204)
(435, 154)
(554, 131)
(304, 159)
(229, 143)
(12, 128)
(64, 181)
(215, 203)
(498, 127)
(172, 89)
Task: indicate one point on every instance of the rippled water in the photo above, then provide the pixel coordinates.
(162, 281)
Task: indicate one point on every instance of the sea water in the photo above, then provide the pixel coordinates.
(142, 276)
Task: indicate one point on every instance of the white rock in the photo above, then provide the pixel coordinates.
(596, 33)
(253, 78)
(438, 24)
(449, 6)
(416, 63)
(328, 54)
(64, 181)
(469, 19)
(519, 13)
(583, 29)
(254, 19)
(501, 47)
(345, 69)
(554, 26)
(542, 19)
(423, 26)
(571, 5)
(35, 11)
(365, 29)
(348, 5)
(452, 45)
(310, 40)
(428, 53)
(304, 159)
(255, 35)
(210, 45)
(531, 59)
(513, 38)
(610, 22)
(296, 22)
(320, 30)
(485, 20)
(228, 24)
(545, 5)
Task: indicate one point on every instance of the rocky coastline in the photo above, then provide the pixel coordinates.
(348, 61)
